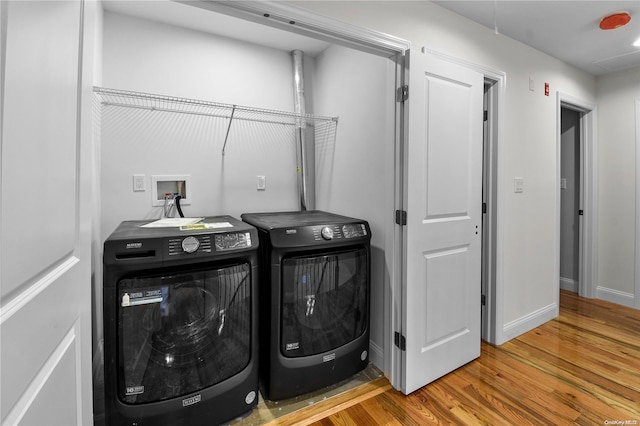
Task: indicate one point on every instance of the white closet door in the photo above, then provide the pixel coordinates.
(444, 217)
(45, 291)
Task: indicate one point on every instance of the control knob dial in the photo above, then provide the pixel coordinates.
(327, 233)
(190, 244)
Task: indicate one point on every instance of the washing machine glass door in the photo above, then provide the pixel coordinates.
(182, 332)
(324, 301)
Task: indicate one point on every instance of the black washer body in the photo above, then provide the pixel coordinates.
(314, 300)
(180, 323)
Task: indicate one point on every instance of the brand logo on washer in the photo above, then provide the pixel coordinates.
(329, 357)
(134, 245)
(190, 401)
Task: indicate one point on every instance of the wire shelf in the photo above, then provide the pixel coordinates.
(124, 98)
(153, 102)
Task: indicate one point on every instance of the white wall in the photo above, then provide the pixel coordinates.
(616, 94)
(353, 177)
(145, 56)
(528, 138)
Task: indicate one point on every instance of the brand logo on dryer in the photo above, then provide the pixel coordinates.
(133, 245)
(190, 401)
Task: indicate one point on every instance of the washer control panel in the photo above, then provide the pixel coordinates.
(203, 243)
(190, 244)
(232, 240)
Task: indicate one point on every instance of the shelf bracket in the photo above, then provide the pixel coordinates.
(233, 110)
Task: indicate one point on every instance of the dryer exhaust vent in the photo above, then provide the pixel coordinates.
(305, 148)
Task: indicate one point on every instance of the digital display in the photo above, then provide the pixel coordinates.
(232, 240)
(354, 230)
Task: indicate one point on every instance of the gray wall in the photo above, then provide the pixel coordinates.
(617, 186)
(355, 174)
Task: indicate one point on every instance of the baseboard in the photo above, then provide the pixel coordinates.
(528, 322)
(616, 296)
(376, 355)
(568, 284)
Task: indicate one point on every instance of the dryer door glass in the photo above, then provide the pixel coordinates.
(181, 332)
(324, 301)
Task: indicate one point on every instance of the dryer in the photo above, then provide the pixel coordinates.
(314, 300)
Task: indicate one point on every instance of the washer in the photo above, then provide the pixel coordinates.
(314, 300)
(180, 323)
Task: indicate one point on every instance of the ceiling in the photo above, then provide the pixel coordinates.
(567, 30)
(205, 20)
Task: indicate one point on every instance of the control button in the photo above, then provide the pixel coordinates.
(190, 244)
(327, 233)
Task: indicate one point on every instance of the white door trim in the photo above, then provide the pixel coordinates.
(636, 294)
(279, 15)
(588, 260)
(301, 21)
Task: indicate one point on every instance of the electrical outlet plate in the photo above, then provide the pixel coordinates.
(138, 183)
(161, 184)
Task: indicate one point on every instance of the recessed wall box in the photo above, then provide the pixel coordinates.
(170, 184)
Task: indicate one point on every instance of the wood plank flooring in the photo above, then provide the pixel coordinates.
(581, 368)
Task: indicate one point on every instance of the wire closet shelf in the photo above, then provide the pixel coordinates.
(153, 102)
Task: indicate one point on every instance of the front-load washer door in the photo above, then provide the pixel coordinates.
(182, 332)
(324, 301)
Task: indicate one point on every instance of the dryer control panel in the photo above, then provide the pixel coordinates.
(330, 232)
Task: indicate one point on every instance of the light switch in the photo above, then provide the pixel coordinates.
(518, 185)
(563, 183)
(262, 183)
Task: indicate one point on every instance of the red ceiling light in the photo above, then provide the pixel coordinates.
(614, 21)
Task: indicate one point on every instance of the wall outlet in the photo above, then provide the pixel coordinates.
(518, 185)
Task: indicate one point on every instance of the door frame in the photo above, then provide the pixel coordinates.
(281, 16)
(587, 258)
(493, 237)
(636, 295)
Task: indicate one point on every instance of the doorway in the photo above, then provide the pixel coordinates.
(576, 121)
(570, 199)
(489, 209)
(492, 227)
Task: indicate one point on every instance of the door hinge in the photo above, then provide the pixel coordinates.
(580, 212)
(401, 217)
(400, 341)
(402, 93)
(483, 300)
(484, 208)
(485, 116)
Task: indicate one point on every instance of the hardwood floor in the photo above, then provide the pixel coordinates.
(581, 368)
